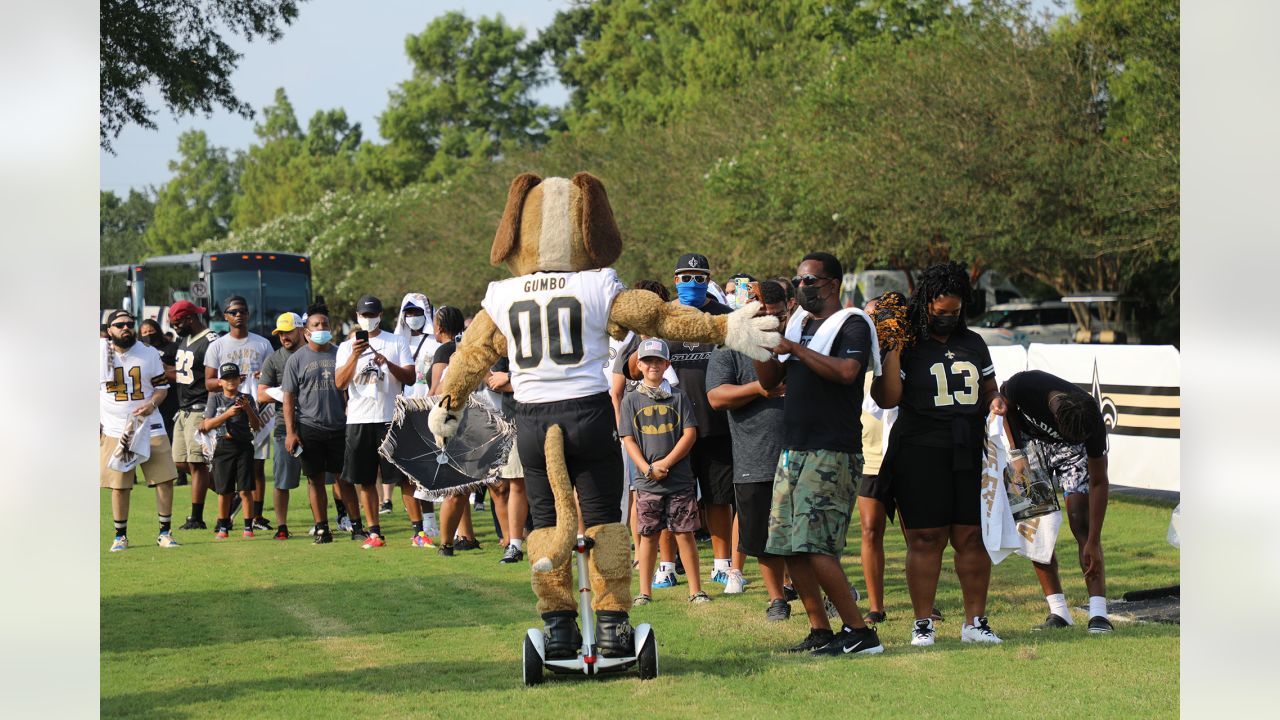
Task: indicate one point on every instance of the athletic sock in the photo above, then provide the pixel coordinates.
(197, 511)
(257, 508)
(417, 527)
(718, 564)
(516, 543)
(248, 524)
(165, 521)
(666, 567)
(1097, 606)
(1058, 606)
(122, 528)
(223, 524)
(342, 509)
(323, 526)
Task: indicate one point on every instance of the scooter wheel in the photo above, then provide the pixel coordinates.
(532, 664)
(648, 658)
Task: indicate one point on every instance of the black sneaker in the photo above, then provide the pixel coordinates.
(814, 640)
(385, 508)
(778, 611)
(323, 537)
(445, 550)
(875, 616)
(466, 544)
(359, 534)
(282, 533)
(1053, 622)
(193, 524)
(852, 641)
(789, 593)
(512, 555)
(1099, 624)
(260, 523)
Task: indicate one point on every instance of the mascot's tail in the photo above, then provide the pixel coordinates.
(566, 530)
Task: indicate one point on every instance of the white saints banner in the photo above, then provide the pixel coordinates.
(1034, 538)
(1138, 388)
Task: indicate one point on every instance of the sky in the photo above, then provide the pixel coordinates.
(337, 53)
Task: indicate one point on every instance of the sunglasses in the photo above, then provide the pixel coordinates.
(700, 279)
(123, 325)
(238, 311)
(807, 280)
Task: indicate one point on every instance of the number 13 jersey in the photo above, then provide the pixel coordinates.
(555, 325)
(940, 390)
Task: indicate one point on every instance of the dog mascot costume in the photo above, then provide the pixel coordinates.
(552, 320)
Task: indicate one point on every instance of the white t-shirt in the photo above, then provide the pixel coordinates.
(249, 352)
(426, 346)
(138, 373)
(614, 347)
(555, 325)
(371, 395)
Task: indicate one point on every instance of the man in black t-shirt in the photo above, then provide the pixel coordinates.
(815, 486)
(189, 380)
(1062, 423)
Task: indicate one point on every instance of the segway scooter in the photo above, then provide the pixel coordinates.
(588, 661)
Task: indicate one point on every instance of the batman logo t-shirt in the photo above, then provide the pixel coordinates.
(656, 426)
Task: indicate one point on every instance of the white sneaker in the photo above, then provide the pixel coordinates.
(735, 584)
(922, 633)
(120, 544)
(165, 540)
(344, 525)
(979, 632)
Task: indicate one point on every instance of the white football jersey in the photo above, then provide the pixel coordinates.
(249, 352)
(555, 324)
(136, 375)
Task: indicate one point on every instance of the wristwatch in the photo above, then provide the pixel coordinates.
(648, 472)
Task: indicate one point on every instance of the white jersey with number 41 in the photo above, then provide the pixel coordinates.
(555, 324)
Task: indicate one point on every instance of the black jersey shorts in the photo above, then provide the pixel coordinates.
(712, 463)
(591, 452)
(753, 501)
(233, 466)
(937, 487)
(322, 450)
(362, 461)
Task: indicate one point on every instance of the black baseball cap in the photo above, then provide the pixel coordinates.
(368, 304)
(115, 314)
(693, 261)
(234, 300)
(228, 370)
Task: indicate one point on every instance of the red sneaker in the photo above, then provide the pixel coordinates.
(373, 541)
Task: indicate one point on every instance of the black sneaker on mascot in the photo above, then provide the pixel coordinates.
(562, 636)
(614, 636)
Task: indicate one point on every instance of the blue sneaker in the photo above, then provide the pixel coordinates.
(720, 576)
(665, 579)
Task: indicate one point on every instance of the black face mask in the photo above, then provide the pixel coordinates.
(944, 324)
(153, 339)
(807, 296)
(182, 330)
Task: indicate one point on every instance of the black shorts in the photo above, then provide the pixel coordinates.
(232, 466)
(322, 451)
(712, 462)
(753, 501)
(876, 489)
(591, 452)
(362, 461)
(937, 487)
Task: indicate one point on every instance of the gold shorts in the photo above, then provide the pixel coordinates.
(158, 469)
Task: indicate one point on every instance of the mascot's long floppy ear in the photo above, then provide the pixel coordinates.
(504, 241)
(600, 234)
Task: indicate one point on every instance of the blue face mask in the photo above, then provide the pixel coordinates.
(691, 293)
(321, 337)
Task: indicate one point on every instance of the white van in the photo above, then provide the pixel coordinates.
(1022, 323)
(856, 289)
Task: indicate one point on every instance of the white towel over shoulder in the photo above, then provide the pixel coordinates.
(826, 334)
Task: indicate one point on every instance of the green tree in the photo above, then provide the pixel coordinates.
(469, 98)
(122, 226)
(195, 205)
(178, 46)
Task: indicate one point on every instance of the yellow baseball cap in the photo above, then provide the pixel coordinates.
(287, 322)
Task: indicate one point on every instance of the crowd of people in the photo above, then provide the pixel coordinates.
(882, 408)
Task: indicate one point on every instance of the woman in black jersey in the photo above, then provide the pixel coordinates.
(455, 511)
(944, 384)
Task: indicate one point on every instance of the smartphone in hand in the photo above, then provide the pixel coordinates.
(362, 335)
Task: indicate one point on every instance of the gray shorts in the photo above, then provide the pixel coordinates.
(286, 470)
(1069, 465)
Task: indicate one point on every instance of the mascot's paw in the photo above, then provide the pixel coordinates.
(750, 335)
(443, 423)
(542, 565)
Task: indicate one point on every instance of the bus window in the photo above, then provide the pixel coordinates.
(284, 292)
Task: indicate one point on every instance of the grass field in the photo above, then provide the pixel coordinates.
(258, 627)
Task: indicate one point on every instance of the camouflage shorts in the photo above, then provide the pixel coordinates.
(1069, 465)
(813, 496)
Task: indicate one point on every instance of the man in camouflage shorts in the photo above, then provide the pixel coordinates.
(813, 492)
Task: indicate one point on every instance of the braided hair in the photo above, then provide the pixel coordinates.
(1073, 411)
(945, 278)
(451, 320)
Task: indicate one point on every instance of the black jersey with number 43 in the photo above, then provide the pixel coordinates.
(940, 390)
(188, 364)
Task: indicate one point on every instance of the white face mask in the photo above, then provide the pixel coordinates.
(416, 322)
(368, 324)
